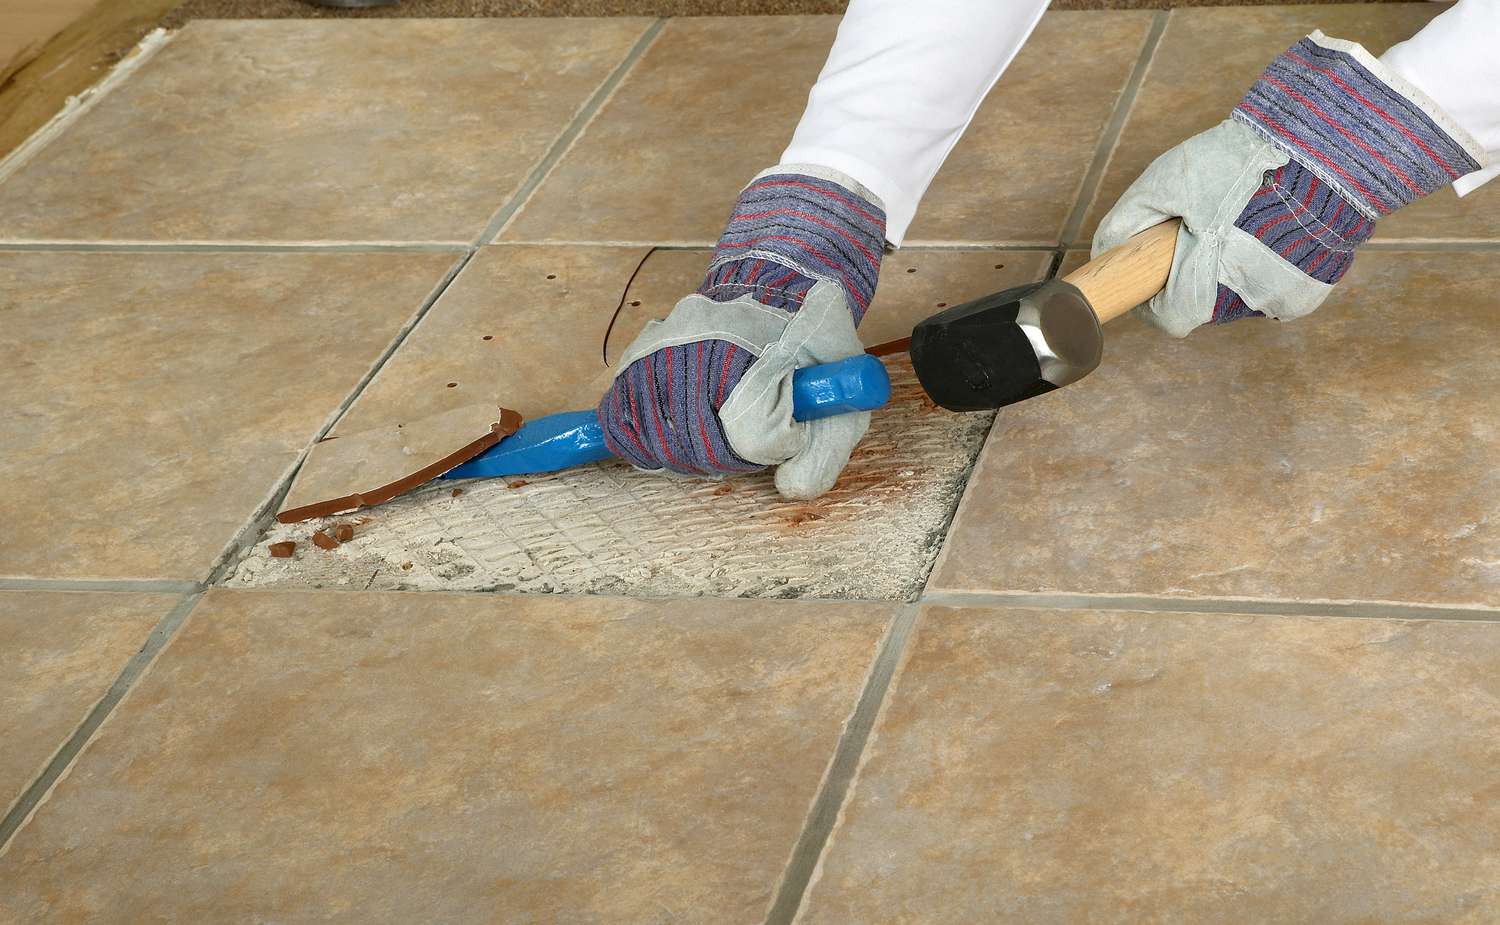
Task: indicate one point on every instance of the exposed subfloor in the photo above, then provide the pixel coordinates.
(607, 529)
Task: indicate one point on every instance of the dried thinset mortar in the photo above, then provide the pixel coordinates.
(607, 528)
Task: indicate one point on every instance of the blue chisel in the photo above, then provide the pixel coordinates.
(572, 438)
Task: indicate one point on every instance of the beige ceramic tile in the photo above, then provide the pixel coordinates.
(545, 311)
(1233, 45)
(711, 129)
(297, 130)
(62, 651)
(1348, 455)
(154, 401)
(1055, 766)
(445, 758)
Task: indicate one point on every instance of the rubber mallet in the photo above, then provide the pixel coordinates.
(1023, 342)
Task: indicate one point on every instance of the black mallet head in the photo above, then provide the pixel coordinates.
(1007, 347)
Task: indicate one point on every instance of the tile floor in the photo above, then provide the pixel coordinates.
(1229, 661)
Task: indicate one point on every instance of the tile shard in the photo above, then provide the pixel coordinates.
(346, 473)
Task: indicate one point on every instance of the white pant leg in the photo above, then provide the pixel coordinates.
(1456, 61)
(901, 84)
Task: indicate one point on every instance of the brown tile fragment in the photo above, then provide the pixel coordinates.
(343, 532)
(283, 550)
(518, 483)
(457, 491)
(349, 471)
(324, 541)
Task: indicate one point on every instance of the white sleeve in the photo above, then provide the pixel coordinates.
(901, 84)
(1456, 61)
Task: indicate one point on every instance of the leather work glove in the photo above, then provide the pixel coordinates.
(1275, 199)
(708, 390)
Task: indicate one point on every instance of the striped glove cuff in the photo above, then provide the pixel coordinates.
(793, 226)
(1378, 141)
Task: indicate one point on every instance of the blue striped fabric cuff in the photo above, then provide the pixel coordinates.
(1378, 141)
(787, 232)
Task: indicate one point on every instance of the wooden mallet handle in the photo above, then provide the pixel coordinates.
(1129, 273)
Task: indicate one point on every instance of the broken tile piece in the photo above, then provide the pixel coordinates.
(324, 541)
(283, 550)
(343, 533)
(346, 473)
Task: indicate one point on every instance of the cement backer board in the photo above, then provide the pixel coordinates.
(607, 528)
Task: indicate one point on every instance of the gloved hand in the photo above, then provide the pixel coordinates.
(708, 390)
(1275, 199)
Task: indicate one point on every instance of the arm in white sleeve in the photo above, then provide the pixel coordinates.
(1456, 61)
(901, 84)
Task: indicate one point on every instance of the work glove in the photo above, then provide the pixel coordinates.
(1275, 199)
(708, 390)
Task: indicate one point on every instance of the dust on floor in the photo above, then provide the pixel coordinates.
(607, 529)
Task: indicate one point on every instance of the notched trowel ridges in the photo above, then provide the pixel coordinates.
(352, 471)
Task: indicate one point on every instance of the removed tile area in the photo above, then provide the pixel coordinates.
(1065, 766)
(62, 651)
(607, 528)
(712, 129)
(297, 131)
(1349, 455)
(451, 757)
(155, 401)
(1234, 44)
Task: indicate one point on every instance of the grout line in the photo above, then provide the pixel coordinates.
(135, 585)
(1373, 610)
(77, 106)
(570, 134)
(246, 247)
(836, 783)
(36, 794)
(1055, 265)
(1113, 129)
(248, 534)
